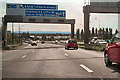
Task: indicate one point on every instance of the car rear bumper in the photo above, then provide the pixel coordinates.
(72, 47)
(34, 44)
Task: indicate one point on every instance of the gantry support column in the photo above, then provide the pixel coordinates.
(86, 25)
(4, 34)
(72, 30)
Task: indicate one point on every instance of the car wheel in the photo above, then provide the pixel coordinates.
(76, 48)
(66, 48)
(107, 61)
(118, 65)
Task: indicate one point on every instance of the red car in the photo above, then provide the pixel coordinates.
(112, 51)
(71, 44)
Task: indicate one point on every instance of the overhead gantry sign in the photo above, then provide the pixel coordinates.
(34, 13)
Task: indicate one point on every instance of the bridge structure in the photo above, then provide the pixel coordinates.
(98, 7)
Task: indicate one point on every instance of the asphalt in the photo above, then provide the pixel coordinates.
(53, 61)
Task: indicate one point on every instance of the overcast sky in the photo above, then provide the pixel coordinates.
(74, 10)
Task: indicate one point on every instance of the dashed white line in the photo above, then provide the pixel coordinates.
(10, 51)
(66, 54)
(86, 68)
(24, 56)
(33, 51)
(25, 47)
(7, 52)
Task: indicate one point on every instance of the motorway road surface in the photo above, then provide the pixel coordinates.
(53, 61)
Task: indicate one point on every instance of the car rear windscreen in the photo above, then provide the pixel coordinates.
(71, 41)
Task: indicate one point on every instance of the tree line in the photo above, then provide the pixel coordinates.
(101, 33)
(17, 38)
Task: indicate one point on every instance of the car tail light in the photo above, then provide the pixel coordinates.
(76, 45)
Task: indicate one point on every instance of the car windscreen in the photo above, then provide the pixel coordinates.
(72, 41)
(116, 37)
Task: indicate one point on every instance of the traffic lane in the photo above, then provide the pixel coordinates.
(10, 52)
(50, 63)
(15, 55)
(12, 55)
(0, 64)
(53, 58)
(45, 69)
(30, 46)
(43, 46)
(81, 53)
(99, 69)
(94, 60)
(47, 45)
(46, 53)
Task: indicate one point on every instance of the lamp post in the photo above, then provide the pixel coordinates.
(12, 34)
(19, 34)
(98, 22)
(22, 32)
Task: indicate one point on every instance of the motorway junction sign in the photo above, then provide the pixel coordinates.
(36, 10)
(37, 6)
(31, 6)
(45, 13)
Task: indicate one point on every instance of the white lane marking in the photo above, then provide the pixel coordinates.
(7, 52)
(24, 56)
(33, 51)
(25, 47)
(10, 51)
(86, 68)
(66, 54)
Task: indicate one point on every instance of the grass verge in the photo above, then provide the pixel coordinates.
(11, 47)
(93, 47)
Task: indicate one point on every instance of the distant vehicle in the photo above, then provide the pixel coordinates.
(72, 43)
(100, 42)
(26, 41)
(61, 41)
(64, 41)
(29, 41)
(38, 41)
(56, 41)
(112, 51)
(34, 43)
(53, 42)
(93, 40)
(42, 42)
